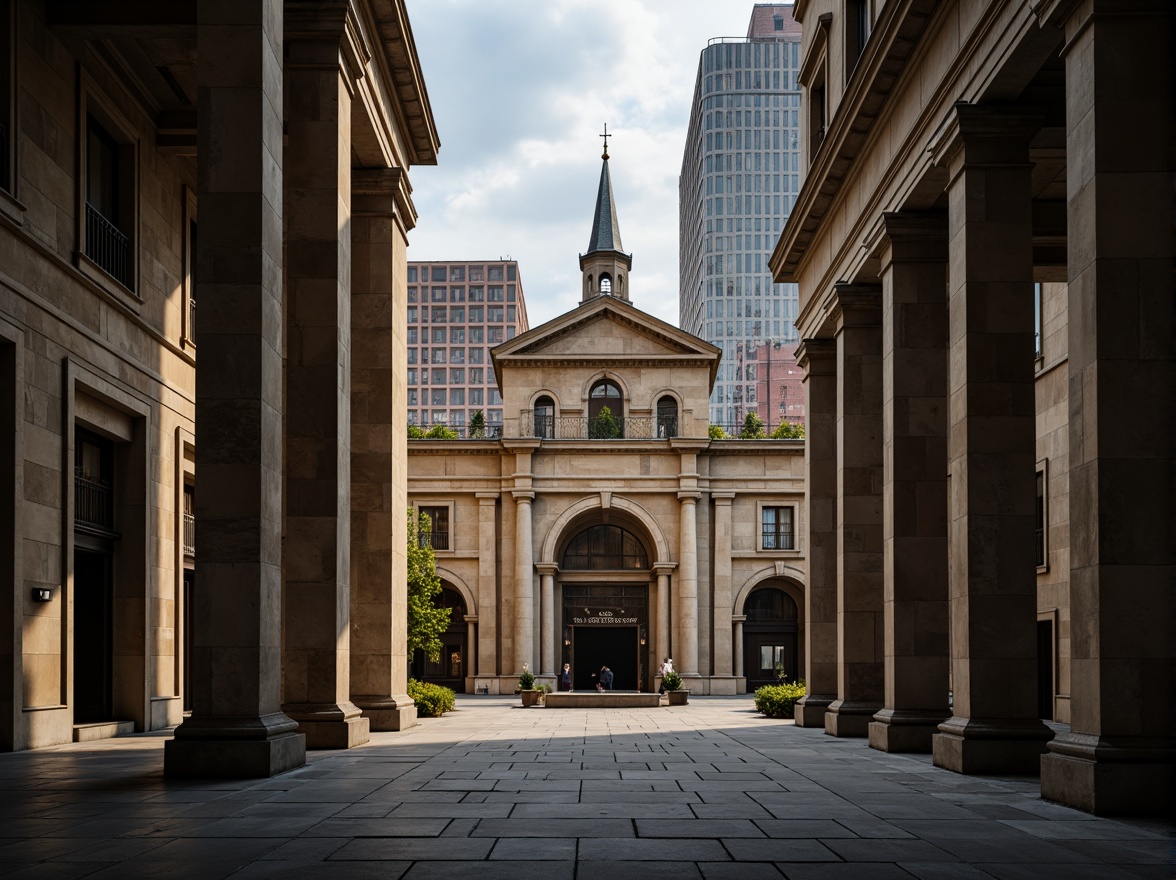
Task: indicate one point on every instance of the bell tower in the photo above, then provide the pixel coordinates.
(605, 267)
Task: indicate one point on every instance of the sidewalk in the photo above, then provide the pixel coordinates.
(708, 790)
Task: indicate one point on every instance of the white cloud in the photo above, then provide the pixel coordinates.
(519, 90)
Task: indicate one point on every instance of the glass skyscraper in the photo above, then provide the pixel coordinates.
(740, 176)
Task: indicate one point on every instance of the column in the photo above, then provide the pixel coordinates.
(548, 662)
(722, 585)
(818, 359)
(524, 583)
(1118, 755)
(913, 254)
(687, 660)
(378, 449)
(237, 728)
(316, 674)
(859, 511)
(487, 646)
(739, 620)
(471, 658)
(993, 585)
(664, 649)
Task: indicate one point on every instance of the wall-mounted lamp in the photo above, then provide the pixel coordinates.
(42, 594)
(643, 635)
(567, 637)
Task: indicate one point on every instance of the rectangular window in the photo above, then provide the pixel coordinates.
(437, 535)
(457, 294)
(495, 273)
(412, 274)
(477, 294)
(476, 397)
(510, 314)
(477, 335)
(456, 315)
(438, 273)
(437, 397)
(476, 355)
(494, 314)
(438, 375)
(476, 375)
(494, 295)
(493, 397)
(457, 377)
(412, 294)
(457, 273)
(457, 355)
(511, 272)
(438, 336)
(477, 273)
(412, 377)
(438, 316)
(1039, 510)
(413, 397)
(476, 315)
(438, 357)
(412, 355)
(457, 397)
(412, 335)
(457, 335)
(777, 529)
(494, 335)
(438, 295)
(109, 202)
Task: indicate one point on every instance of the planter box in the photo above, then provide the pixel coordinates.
(678, 697)
(531, 698)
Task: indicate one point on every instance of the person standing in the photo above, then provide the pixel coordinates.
(565, 678)
(606, 678)
(667, 666)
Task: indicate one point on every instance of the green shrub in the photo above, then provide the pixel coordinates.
(440, 432)
(477, 425)
(788, 431)
(716, 432)
(605, 426)
(753, 427)
(416, 432)
(432, 700)
(777, 700)
(543, 686)
(671, 681)
(527, 680)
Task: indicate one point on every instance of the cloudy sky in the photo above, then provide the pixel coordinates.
(520, 90)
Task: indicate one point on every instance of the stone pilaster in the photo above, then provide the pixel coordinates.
(913, 253)
(237, 727)
(547, 640)
(316, 675)
(487, 645)
(380, 217)
(687, 660)
(859, 510)
(991, 450)
(524, 583)
(1119, 753)
(721, 653)
(738, 620)
(664, 649)
(818, 359)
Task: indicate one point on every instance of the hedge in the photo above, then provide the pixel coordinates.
(432, 700)
(777, 700)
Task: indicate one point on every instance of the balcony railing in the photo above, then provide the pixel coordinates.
(438, 539)
(93, 503)
(775, 539)
(189, 535)
(446, 432)
(579, 428)
(107, 246)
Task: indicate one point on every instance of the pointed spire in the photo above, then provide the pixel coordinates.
(605, 268)
(606, 231)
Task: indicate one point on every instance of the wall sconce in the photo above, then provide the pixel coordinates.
(643, 635)
(567, 637)
(42, 594)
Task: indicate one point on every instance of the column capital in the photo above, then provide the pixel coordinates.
(663, 569)
(521, 495)
(692, 497)
(738, 618)
(547, 568)
(817, 356)
(999, 133)
(856, 304)
(908, 236)
(312, 31)
(382, 192)
(487, 499)
(721, 498)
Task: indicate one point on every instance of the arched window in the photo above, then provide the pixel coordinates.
(605, 548)
(452, 599)
(667, 417)
(605, 395)
(769, 603)
(605, 283)
(545, 417)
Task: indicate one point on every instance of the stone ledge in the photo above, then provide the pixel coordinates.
(606, 700)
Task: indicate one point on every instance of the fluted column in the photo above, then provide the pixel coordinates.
(722, 584)
(913, 251)
(487, 645)
(818, 359)
(993, 586)
(1119, 753)
(688, 585)
(524, 583)
(237, 727)
(548, 662)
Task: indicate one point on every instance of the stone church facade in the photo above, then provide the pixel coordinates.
(283, 132)
(984, 249)
(616, 538)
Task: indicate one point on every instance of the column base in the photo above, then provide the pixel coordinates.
(990, 746)
(898, 730)
(844, 718)
(395, 712)
(234, 748)
(486, 684)
(1108, 777)
(810, 709)
(330, 726)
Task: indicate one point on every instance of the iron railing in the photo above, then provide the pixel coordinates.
(438, 539)
(580, 428)
(777, 539)
(189, 535)
(463, 432)
(107, 246)
(93, 502)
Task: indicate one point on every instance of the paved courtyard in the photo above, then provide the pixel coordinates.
(709, 790)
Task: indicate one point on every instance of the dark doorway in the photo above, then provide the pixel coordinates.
(613, 646)
(450, 668)
(1045, 669)
(769, 638)
(93, 642)
(189, 610)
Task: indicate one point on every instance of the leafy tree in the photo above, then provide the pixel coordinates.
(605, 426)
(788, 431)
(753, 427)
(477, 425)
(426, 621)
(716, 432)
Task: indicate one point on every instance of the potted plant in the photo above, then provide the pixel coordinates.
(672, 682)
(544, 689)
(527, 688)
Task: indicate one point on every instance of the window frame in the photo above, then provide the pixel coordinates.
(1041, 509)
(762, 509)
(424, 505)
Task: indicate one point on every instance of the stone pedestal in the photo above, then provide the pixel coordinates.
(859, 511)
(1120, 752)
(237, 728)
(993, 590)
(818, 358)
(913, 252)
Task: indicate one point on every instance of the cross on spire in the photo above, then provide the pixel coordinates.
(606, 136)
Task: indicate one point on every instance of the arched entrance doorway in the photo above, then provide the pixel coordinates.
(604, 574)
(450, 668)
(769, 637)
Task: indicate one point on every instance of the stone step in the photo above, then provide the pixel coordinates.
(102, 730)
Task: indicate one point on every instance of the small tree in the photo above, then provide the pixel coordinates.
(753, 427)
(605, 426)
(425, 620)
(477, 425)
(716, 432)
(788, 431)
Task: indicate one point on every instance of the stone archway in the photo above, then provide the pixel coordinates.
(770, 611)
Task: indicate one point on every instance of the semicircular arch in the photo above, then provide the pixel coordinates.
(456, 583)
(557, 532)
(790, 580)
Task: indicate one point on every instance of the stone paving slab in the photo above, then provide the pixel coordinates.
(712, 792)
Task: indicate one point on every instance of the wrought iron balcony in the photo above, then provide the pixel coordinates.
(189, 535)
(580, 428)
(438, 539)
(93, 503)
(775, 539)
(107, 246)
